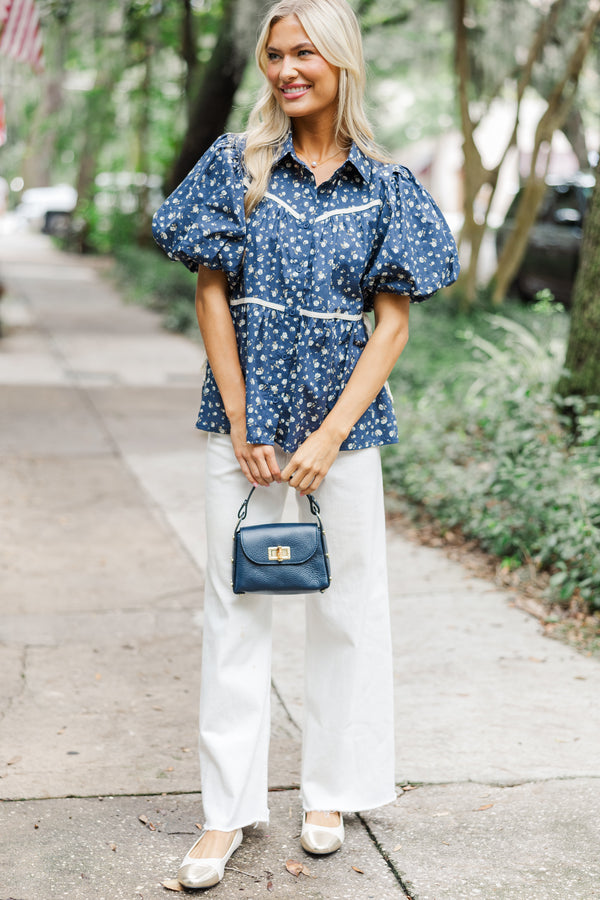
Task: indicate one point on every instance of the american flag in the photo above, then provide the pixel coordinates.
(20, 36)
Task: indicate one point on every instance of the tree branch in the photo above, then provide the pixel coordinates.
(363, 7)
(188, 47)
(555, 114)
(536, 48)
(398, 19)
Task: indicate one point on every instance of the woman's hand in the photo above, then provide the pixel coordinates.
(312, 460)
(257, 461)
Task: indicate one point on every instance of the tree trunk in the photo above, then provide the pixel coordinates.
(476, 176)
(99, 127)
(559, 106)
(188, 52)
(40, 151)
(574, 130)
(583, 351)
(222, 75)
(142, 143)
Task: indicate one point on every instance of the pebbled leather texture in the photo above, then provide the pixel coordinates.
(302, 540)
(306, 571)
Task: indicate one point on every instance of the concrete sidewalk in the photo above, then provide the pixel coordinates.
(102, 563)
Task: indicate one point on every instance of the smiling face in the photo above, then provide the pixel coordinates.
(303, 82)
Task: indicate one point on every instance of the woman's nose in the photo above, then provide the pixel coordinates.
(288, 69)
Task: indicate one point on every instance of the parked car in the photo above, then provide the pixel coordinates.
(552, 253)
(48, 208)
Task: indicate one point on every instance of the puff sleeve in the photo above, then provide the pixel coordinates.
(203, 221)
(415, 253)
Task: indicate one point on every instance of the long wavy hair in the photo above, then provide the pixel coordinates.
(334, 30)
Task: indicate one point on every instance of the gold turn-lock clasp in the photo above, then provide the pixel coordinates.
(279, 554)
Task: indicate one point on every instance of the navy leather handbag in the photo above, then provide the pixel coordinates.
(284, 558)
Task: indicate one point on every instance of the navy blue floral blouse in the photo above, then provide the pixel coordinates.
(302, 273)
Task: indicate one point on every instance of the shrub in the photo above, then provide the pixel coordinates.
(157, 282)
(489, 450)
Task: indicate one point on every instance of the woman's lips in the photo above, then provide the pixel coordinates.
(294, 91)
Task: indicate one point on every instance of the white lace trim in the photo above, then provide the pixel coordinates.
(287, 206)
(326, 215)
(347, 209)
(242, 301)
(346, 317)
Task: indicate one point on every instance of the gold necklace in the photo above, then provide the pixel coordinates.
(313, 163)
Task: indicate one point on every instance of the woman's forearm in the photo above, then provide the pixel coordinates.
(257, 461)
(310, 463)
(218, 334)
(374, 366)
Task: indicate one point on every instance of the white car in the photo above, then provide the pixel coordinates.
(48, 208)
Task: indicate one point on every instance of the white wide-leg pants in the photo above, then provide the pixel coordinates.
(348, 733)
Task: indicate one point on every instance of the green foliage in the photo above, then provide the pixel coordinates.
(408, 48)
(153, 280)
(97, 232)
(485, 447)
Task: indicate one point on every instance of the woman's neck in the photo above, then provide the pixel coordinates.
(315, 141)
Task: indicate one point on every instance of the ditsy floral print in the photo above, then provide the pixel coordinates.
(302, 273)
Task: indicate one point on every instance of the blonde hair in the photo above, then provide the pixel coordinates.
(334, 30)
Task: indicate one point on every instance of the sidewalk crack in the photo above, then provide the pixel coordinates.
(277, 693)
(12, 701)
(406, 886)
(281, 788)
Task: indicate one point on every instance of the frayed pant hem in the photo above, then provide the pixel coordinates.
(253, 823)
(347, 809)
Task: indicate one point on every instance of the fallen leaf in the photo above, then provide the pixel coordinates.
(396, 848)
(113, 847)
(170, 769)
(269, 885)
(198, 826)
(409, 787)
(293, 867)
(356, 869)
(171, 884)
(481, 808)
(296, 868)
(185, 750)
(14, 760)
(37, 825)
(437, 815)
(143, 819)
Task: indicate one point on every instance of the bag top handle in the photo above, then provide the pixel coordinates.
(243, 510)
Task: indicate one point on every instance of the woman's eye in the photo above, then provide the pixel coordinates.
(302, 52)
(272, 57)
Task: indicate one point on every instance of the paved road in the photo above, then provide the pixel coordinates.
(102, 566)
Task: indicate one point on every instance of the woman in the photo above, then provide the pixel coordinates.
(297, 229)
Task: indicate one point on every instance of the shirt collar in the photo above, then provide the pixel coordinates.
(356, 157)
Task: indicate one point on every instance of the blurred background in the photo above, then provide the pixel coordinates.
(495, 105)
